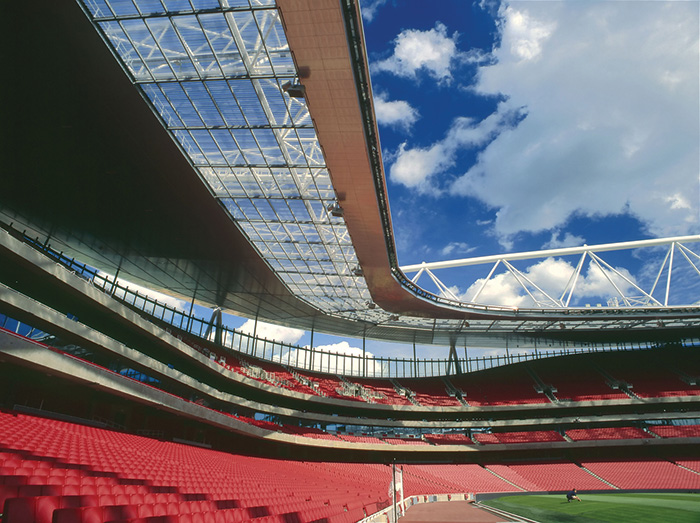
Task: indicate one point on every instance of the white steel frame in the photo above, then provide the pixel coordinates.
(543, 299)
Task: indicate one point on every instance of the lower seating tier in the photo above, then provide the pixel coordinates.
(58, 472)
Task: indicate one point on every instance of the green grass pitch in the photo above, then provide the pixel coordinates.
(604, 508)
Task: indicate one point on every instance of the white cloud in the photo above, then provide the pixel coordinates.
(431, 51)
(165, 299)
(551, 276)
(454, 248)
(394, 113)
(334, 358)
(271, 332)
(568, 240)
(524, 34)
(611, 93)
(417, 167)
(369, 8)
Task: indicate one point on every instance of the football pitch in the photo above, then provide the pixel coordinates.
(604, 508)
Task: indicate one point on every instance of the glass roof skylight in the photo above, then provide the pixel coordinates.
(214, 72)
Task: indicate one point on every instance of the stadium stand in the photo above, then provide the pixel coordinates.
(382, 391)
(607, 433)
(448, 439)
(514, 386)
(651, 474)
(549, 476)
(583, 383)
(109, 475)
(652, 379)
(676, 431)
(535, 436)
(405, 441)
(429, 392)
(332, 386)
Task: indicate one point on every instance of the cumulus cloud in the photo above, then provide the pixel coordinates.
(369, 8)
(429, 51)
(568, 240)
(165, 299)
(394, 113)
(525, 34)
(333, 358)
(547, 281)
(454, 248)
(417, 167)
(271, 332)
(612, 125)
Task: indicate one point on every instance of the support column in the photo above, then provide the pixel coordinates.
(452, 358)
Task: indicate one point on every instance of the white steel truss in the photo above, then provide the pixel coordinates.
(623, 288)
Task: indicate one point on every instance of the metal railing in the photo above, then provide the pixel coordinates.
(308, 358)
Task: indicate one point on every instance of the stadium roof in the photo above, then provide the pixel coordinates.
(227, 152)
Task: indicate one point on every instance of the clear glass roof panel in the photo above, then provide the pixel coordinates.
(233, 209)
(248, 146)
(204, 105)
(275, 101)
(195, 43)
(227, 145)
(248, 210)
(282, 210)
(161, 102)
(249, 102)
(181, 104)
(213, 71)
(268, 145)
(229, 180)
(250, 42)
(206, 4)
(99, 8)
(266, 212)
(123, 7)
(226, 104)
(169, 42)
(126, 50)
(175, 6)
(299, 211)
(208, 147)
(213, 181)
(148, 7)
(190, 146)
(150, 52)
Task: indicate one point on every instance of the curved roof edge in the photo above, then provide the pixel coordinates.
(339, 94)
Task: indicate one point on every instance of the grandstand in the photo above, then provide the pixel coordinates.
(116, 406)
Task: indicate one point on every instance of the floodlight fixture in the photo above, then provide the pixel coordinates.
(294, 90)
(336, 210)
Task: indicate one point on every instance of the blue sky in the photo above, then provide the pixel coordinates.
(518, 126)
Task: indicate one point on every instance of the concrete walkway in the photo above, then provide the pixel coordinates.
(449, 512)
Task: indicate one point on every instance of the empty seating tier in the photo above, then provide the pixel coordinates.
(514, 386)
(676, 431)
(535, 436)
(607, 433)
(58, 472)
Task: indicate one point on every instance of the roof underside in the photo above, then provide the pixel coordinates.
(174, 156)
